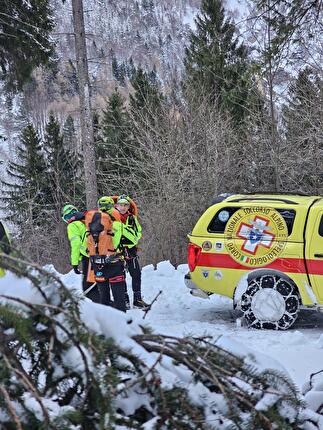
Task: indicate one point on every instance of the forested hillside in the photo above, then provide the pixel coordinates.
(146, 111)
(183, 108)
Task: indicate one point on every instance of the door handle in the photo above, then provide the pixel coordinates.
(318, 255)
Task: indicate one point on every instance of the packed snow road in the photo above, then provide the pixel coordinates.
(176, 312)
(299, 350)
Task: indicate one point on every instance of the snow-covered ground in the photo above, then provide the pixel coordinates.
(299, 350)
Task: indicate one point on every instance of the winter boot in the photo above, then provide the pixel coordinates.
(140, 304)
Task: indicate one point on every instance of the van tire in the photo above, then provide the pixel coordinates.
(270, 302)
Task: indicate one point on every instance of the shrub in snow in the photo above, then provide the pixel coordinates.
(69, 364)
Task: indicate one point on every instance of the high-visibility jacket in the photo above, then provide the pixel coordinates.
(76, 233)
(131, 230)
(4, 244)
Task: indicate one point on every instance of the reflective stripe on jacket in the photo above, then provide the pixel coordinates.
(76, 233)
(131, 231)
(117, 234)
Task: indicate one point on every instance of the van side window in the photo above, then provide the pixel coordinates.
(289, 217)
(220, 219)
(321, 227)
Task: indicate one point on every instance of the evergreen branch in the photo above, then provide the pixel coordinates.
(115, 375)
(27, 24)
(38, 310)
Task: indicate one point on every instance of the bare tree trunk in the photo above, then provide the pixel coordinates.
(274, 139)
(87, 135)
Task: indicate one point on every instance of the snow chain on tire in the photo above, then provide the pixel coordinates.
(287, 294)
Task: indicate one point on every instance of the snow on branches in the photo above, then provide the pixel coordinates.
(69, 363)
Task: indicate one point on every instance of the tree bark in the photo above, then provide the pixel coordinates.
(274, 137)
(87, 135)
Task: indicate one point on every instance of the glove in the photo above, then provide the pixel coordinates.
(76, 270)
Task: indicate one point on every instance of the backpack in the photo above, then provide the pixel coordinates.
(99, 243)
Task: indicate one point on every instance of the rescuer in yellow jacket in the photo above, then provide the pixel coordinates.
(109, 275)
(76, 233)
(4, 244)
(131, 233)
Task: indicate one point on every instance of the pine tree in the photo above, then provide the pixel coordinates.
(69, 134)
(115, 150)
(131, 70)
(115, 68)
(216, 63)
(62, 166)
(303, 114)
(146, 101)
(147, 5)
(148, 110)
(296, 23)
(28, 24)
(65, 185)
(119, 71)
(71, 75)
(26, 194)
(302, 118)
(122, 74)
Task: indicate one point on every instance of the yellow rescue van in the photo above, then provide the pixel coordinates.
(263, 251)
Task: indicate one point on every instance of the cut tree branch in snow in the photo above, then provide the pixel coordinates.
(10, 407)
(37, 308)
(21, 374)
(203, 366)
(150, 305)
(137, 368)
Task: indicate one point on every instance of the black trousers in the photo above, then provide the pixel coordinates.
(115, 281)
(93, 294)
(135, 273)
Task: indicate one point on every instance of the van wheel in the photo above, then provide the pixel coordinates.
(270, 302)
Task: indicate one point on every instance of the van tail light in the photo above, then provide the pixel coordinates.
(193, 254)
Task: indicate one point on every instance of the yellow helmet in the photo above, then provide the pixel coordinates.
(67, 212)
(105, 203)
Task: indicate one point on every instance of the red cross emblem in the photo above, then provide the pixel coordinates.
(255, 235)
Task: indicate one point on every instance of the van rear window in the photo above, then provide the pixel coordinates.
(220, 219)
